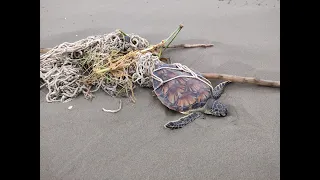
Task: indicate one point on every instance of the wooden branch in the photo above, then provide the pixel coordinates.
(45, 50)
(190, 45)
(240, 79)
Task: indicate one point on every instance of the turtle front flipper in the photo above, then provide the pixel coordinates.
(183, 121)
(218, 90)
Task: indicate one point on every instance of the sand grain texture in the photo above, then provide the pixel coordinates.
(87, 143)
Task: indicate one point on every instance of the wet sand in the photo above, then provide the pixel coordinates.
(87, 143)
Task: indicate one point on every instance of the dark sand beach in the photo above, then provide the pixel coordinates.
(87, 143)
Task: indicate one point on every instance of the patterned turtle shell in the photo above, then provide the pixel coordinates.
(183, 93)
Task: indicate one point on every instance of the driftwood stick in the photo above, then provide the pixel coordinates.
(239, 79)
(190, 45)
(45, 50)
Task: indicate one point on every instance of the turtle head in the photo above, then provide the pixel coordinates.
(215, 108)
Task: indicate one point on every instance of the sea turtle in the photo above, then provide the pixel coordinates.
(188, 92)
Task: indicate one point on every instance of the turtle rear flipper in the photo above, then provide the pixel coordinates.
(218, 90)
(183, 121)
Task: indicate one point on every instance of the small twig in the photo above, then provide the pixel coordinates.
(239, 79)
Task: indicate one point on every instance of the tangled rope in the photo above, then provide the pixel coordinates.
(110, 62)
(144, 67)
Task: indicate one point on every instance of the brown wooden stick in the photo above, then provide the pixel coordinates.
(240, 79)
(44, 50)
(190, 45)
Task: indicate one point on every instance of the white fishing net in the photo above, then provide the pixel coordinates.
(111, 62)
